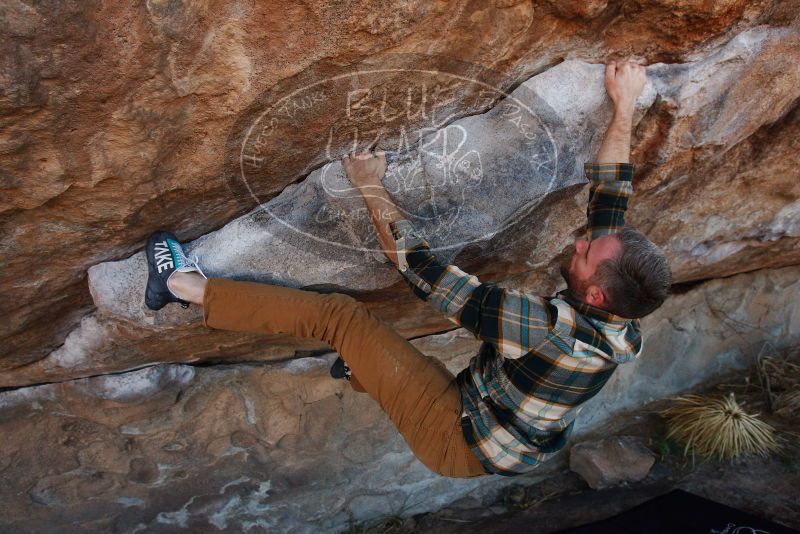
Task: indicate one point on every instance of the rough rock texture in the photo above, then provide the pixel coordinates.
(119, 119)
(500, 193)
(281, 447)
(221, 120)
(607, 462)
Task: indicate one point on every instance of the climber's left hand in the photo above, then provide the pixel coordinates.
(365, 169)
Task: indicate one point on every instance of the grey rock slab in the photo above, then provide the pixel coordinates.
(463, 183)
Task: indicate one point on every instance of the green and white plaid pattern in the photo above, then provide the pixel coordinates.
(542, 357)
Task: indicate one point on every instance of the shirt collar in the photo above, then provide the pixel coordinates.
(592, 311)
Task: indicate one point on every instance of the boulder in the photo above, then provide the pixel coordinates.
(488, 190)
(611, 461)
(225, 122)
(119, 120)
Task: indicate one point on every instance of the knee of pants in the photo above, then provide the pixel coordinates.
(341, 305)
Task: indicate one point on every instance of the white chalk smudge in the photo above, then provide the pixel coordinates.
(137, 385)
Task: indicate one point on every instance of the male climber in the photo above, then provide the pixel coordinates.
(542, 357)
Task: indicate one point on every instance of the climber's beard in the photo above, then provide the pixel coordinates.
(575, 286)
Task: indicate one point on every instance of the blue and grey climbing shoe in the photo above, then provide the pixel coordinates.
(339, 369)
(165, 257)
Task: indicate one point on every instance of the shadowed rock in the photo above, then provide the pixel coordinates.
(283, 447)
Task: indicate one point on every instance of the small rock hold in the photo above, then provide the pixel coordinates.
(611, 461)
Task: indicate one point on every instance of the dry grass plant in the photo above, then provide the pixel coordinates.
(718, 427)
(779, 378)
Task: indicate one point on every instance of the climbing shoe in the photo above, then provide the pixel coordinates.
(165, 257)
(339, 369)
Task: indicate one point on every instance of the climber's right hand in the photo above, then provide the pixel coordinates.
(624, 82)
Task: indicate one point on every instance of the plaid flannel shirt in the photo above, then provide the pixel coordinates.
(541, 357)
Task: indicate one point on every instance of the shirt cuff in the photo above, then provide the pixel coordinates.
(402, 228)
(609, 171)
(405, 238)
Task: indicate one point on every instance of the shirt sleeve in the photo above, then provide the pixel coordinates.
(611, 184)
(514, 322)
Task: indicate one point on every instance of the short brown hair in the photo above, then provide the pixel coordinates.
(638, 281)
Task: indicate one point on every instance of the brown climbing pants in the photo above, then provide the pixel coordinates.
(417, 392)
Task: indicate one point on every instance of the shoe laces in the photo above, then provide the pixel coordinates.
(188, 264)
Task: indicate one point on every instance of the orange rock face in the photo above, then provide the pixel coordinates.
(119, 119)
